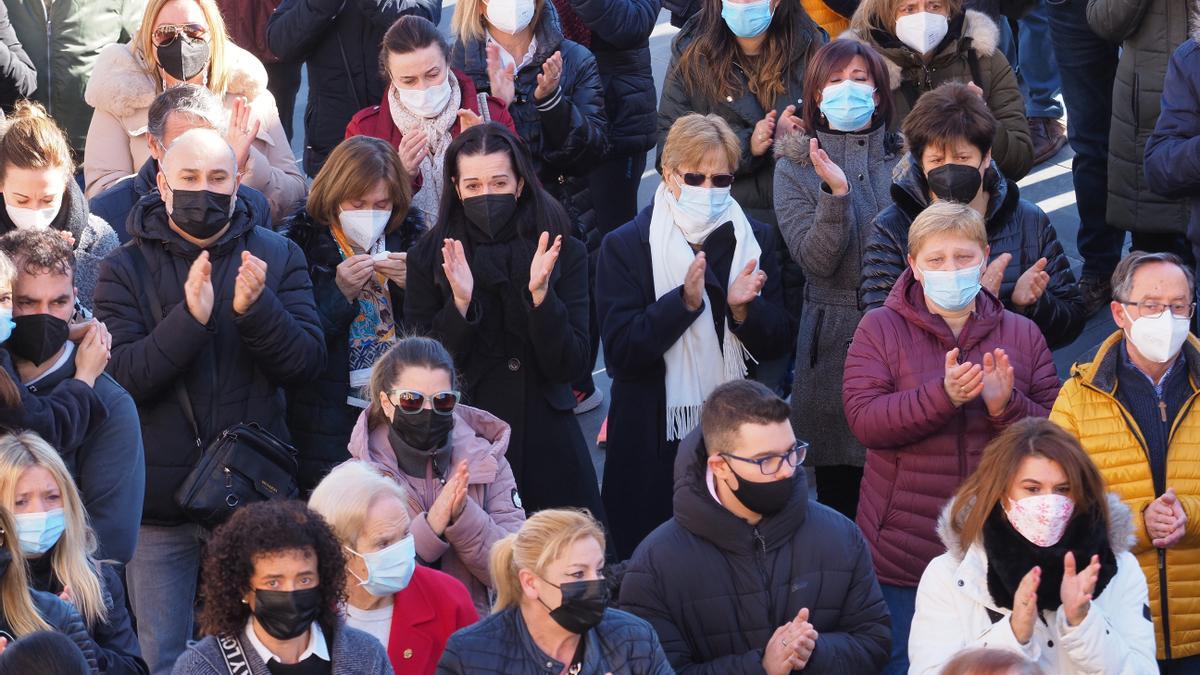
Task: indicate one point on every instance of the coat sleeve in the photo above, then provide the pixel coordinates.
(106, 157)
(1043, 383)
(271, 168)
(385, 12)
(281, 329)
(1059, 313)
(559, 326)
(624, 24)
(1116, 20)
(574, 125)
(880, 416)
(1012, 148)
(333, 309)
(296, 26)
(118, 644)
(816, 227)
(769, 329)
(112, 480)
(64, 417)
(1114, 642)
(481, 526)
(1173, 150)
(18, 78)
(884, 260)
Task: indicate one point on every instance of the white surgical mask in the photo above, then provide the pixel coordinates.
(1158, 339)
(922, 31)
(1042, 519)
(699, 210)
(364, 227)
(32, 219)
(426, 102)
(388, 570)
(509, 16)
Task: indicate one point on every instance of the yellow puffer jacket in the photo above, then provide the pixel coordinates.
(1087, 407)
(826, 18)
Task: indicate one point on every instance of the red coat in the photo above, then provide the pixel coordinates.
(425, 614)
(920, 447)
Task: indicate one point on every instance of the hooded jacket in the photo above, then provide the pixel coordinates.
(121, 92)
(1014, 226)
(493, 511)
(715, 588)
(234, 368)
(1172, 163)
(969, 53)
(920, 447)
(955, 611)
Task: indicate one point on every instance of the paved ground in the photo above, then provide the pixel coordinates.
(1048, 185)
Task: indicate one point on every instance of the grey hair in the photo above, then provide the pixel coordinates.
(1122, 278)
(197, 103)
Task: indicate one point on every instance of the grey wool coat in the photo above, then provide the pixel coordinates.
(826, 236)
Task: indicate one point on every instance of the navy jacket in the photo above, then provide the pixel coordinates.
(63, 618)
(64, 419)
(1173, 152)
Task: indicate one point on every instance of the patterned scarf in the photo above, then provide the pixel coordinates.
(373, 330)
(437, 130)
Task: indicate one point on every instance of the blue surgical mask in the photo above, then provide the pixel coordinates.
(952, 289)
(698, 210)
(39, 532)
(748, 19)
(848, 105)
(6, 323)
(388, 570)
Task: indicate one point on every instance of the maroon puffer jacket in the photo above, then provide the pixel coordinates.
(920, 447)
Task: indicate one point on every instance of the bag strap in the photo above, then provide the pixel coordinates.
(231, 651)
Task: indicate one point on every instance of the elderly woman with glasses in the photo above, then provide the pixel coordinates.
(688, 297)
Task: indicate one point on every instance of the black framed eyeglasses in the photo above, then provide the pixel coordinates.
(411, 402)
(771, 464)
(719, 180)
(1152, 310)
(168, 33)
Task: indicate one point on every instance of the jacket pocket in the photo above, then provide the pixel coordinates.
(814, 346)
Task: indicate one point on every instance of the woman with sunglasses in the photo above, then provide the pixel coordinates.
(449, 458)
(185, 41)
(688, 297)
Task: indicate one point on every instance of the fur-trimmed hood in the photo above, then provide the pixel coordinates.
(982, 31)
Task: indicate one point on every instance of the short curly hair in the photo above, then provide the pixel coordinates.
(257, 530)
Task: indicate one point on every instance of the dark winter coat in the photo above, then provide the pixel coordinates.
(753, 186)
(18, 79)
(318, 416)
(351, 652)
(64, 418)
(565, 140)
(637, 329)
(920, 446)
(1014, 226)
(715, 588)
(621, 644)
(339, 42)
(1148, 32)
(62, 618)
(234, 368)
(826, 236)
(1173, 150)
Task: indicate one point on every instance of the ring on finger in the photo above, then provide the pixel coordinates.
(785, 642)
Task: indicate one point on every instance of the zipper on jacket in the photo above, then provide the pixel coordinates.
(49, 62)
(760, 560)
(1163, 600)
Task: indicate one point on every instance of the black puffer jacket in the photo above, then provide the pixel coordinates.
(62, 618)
(234, 368)
(742, 581)
(1014, 226)
(318, 416)
(339, 41)
(568, 138)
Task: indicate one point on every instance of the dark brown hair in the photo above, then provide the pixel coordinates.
(1031, 437)
(39, 252)
(833, 57)
(990, 662)
(735, 403)
(949, 113)
(408, 34)
(351, 171)
(417, 352)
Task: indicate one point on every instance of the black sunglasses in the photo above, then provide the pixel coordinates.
(719, 180)
(411, 402)
(168, 33)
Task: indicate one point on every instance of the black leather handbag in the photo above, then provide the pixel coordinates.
(245, 464)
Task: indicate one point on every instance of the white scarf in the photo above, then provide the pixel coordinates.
(437, 130)
(691, 375)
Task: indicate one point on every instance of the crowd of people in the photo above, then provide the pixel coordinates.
(319, 416)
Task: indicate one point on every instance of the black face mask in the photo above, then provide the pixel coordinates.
(183, 58)
(765, 499)
(425, 430)
(491, 216)
(200, 213)
(582, 605)
(955, 182)
(37, 337)
(286, 614)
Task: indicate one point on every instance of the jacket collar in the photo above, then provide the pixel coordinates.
(1098, 368)
(971, 30)
(907, 299)
(148, 222)
(466, 88)
(910, 191)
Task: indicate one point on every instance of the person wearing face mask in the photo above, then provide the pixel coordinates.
(1037, 562)
(410, 608)
(930, 378)
(551, 611)
(718, 581)
(60, 548)
(241, 326)
(184, 41)
(503, 285)
(1130, 403)
(949, 135)
(274, 581)
(689, 297)
(829, 185)
(355, 232)
(927, 43)
(448, 457)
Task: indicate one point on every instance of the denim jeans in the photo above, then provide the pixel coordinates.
(902, 605)
(1032, 60)
(162, 591)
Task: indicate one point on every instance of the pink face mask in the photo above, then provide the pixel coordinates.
(1041, 519)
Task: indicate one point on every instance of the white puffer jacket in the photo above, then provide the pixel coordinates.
(955, 610)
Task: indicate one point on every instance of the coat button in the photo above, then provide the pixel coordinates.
(514, 365)
(860, 176)
(960, 583)
(1049, 643)
(408, 653)
(861, 142)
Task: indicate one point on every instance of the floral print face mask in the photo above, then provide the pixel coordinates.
(1042, 519)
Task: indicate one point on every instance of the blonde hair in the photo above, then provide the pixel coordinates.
(543, 538)
(343, 497)
(32, 140)
(218, 41)
(694, 137)
(946, 218)
(881, 15)
(470, 19)
(351, 171)
(16, 602)
(71, 558)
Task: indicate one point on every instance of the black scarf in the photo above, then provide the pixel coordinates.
(500, 264)
(1010, 556)
(413, 461)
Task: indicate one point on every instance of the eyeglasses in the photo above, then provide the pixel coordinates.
(1152, 310)
(168, 33)
(719, 180)
(411, 402)
(771, 464)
